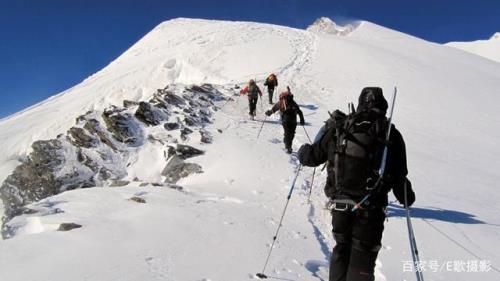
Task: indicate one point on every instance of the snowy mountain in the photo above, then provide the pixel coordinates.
(326, 25)
(489, 49)
(217, 222)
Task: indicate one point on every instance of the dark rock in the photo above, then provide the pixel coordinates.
(122, 127)
(143, 184)
(173, 99)
(189, 121)
(154, 139)
(206, 137)
(196, 88)
(186, 151)
(176, 169)
(158, 101)
(118, 183)
(104, 174)
(129, 103)
(171, 126)
(93, 126)
(68, 226)
(175, 186)
(185, 132)
(34, 179)
(80, 138)
(204, 112)
(170, 152)
(149, 115)
(219, 130)
(75, 180)
(138, 199)
(205, 119)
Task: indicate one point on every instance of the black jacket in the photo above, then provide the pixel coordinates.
(323, 150)
(271, 83)
(289, 114)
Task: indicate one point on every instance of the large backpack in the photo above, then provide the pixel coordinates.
(253, 89)
(286, 102)
(359, 142)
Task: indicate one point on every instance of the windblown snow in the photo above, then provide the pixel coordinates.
(489, 49)
(220, 225)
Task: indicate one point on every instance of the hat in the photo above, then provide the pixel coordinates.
(372, 98)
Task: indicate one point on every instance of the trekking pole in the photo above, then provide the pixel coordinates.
(413, 242)
(311, 187)
(314, 170)
(262, 126)
(261, 275)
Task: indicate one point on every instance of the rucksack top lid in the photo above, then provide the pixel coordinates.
(372, 98)
(285, 94)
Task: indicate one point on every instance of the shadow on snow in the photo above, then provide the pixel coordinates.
(452, 216)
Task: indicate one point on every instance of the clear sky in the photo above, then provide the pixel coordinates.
(47, 46)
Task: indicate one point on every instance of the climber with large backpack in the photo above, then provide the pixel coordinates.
(271, 83)
(353, 147)
(288, 109)
(253, 92)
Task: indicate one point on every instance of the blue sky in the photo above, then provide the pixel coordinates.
(47, 46)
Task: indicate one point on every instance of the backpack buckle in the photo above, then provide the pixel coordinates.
(342, 205)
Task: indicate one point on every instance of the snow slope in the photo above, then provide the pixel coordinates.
(489, 49)
(221, 225)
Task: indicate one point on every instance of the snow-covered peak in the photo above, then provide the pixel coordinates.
(495, 36)
(326, 25)
(488, 48)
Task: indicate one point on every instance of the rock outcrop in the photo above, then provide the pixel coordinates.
(95, 151)
(177, 169)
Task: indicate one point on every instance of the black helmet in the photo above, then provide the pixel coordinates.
(372, 98)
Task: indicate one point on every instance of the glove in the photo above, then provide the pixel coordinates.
(302, 122)
(409, 194)
(303, 153)
(269, 112)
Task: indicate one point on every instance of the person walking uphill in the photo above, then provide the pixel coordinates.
(352, 146)
(271, 83)
(253, 92)
(288, 109)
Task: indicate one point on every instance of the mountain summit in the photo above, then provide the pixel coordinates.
(495, 36)
(326, 25)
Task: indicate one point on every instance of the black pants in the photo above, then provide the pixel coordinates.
(289, 133)
(270, 90)
(358, 237)
(252, 104)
